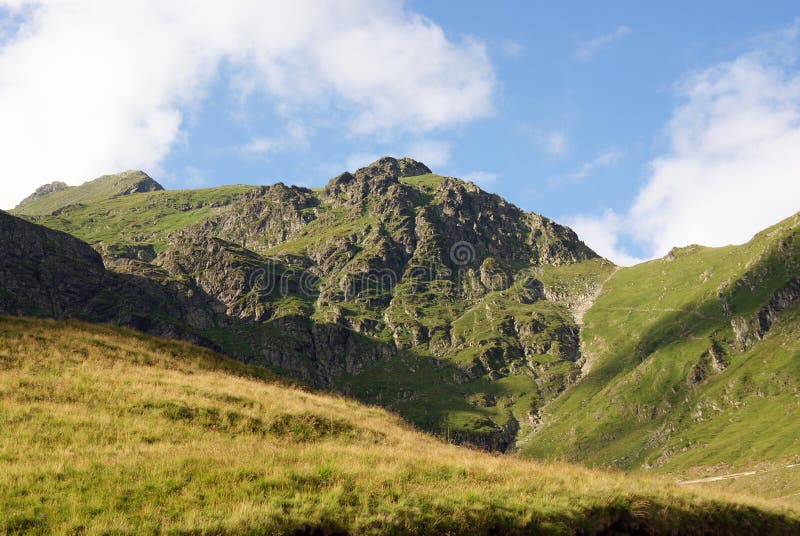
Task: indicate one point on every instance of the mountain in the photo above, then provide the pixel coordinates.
(417, 292)
(692, 366)
(467, 316)
(57, 195)
(106, 430)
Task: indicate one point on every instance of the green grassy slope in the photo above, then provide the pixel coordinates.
(670, 384)
(99, 189)
(109, 431)
(140, 222)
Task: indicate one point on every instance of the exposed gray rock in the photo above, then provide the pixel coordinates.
(712, 362)
(45, 190)
(748, 330)
(49, 273)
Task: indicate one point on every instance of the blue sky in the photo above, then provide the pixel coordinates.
(577, 110)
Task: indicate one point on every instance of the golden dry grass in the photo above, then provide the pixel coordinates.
(105, 430)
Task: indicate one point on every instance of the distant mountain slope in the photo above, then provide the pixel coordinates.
(693, 364)
(109, 431)
(57, 195)
(52, 274)
(418, 292)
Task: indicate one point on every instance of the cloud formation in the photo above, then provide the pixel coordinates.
(295, 134)
(512, 49)
(88, 87)
(602, 234)
(604, 159)
(552, 142)
(588, 50)
(732, 166)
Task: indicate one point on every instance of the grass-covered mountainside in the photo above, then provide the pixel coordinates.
(465, 315)
(106, 430)
(693, 367)
(54, 196)
(400, 287)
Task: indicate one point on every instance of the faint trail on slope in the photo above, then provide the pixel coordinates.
(586, 304)
(657, 310)
(736, 475)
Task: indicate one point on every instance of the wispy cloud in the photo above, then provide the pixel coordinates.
(604, 159)
(553, 142)
(295, 135)
(512, 49)
(481, 178)
(589, 49)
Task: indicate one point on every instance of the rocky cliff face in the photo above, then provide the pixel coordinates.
(45, 272)
(49, 273)
(750, 329)
(389, 267)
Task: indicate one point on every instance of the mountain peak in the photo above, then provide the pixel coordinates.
(395, 167)
(133, 181)
(376, 178)
(45, 190)
(57, 195)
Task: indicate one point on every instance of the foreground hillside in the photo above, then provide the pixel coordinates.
(107, 430)
(693, 367)
(406, 289)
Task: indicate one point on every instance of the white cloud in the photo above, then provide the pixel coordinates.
(602, 234)
(481, 178)
(432, 153)
(733, 163)
(605, 158)
(295, 135)
(89, 87)
(588, 50)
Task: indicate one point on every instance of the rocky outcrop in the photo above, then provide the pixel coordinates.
(52, 274)
(496, 439)
(45, 190)
(45, 272)
(749, 329)
(262, 218)
(712, 362)
(132, 182)
(500, 230)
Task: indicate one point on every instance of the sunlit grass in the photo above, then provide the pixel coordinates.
(105, 430)
(634, 407)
